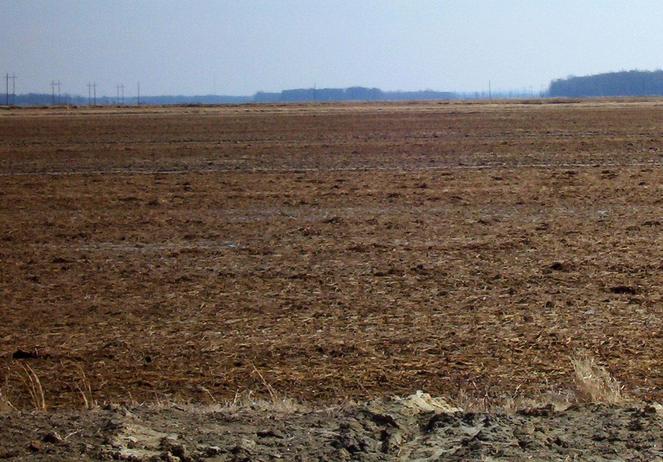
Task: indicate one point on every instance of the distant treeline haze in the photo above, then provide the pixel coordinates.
(625, 83)
(286, 96)
(349, 94)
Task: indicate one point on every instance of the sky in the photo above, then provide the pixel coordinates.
(239, 47)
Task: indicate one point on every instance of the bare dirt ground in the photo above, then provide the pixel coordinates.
(381, 430)
(328, 252)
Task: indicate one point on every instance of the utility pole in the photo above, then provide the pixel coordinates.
(89, 94)
(54, 84)
(7, 89)
(94, 93)
(13, 77)
(490, 91)
(119, 100)
(138, 94)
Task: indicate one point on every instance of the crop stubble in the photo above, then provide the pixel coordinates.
(344, 251)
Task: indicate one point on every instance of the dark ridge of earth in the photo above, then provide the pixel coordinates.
(418, 428)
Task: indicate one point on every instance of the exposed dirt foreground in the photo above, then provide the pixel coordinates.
(417, 428)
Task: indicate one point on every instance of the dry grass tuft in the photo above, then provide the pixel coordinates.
(594, 383)
(241, 402)
(85, 389)
(276, 402)
(31, 381)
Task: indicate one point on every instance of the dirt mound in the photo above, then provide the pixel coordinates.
(416, 428)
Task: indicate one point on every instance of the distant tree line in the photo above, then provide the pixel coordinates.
(285, 96)
(624, 83)
(299, 95)
(348, 94)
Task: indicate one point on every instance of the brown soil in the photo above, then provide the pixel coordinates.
(328, 252)
(391, 430)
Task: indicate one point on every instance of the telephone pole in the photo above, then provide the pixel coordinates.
(13, 77)
(89, 94)
(7, 89)
(94, 93)
(119, 90)
(138, 94)
(54, 84)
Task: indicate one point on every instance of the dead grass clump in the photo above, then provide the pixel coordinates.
(85, 389)
(594, 383)
(31, 381)
(240, 403)
(276, 402)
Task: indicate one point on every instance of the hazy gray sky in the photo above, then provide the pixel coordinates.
(242, 46)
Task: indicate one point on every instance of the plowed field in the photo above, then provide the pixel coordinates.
(328, 252)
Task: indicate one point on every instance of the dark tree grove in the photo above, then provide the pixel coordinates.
(624, 83)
